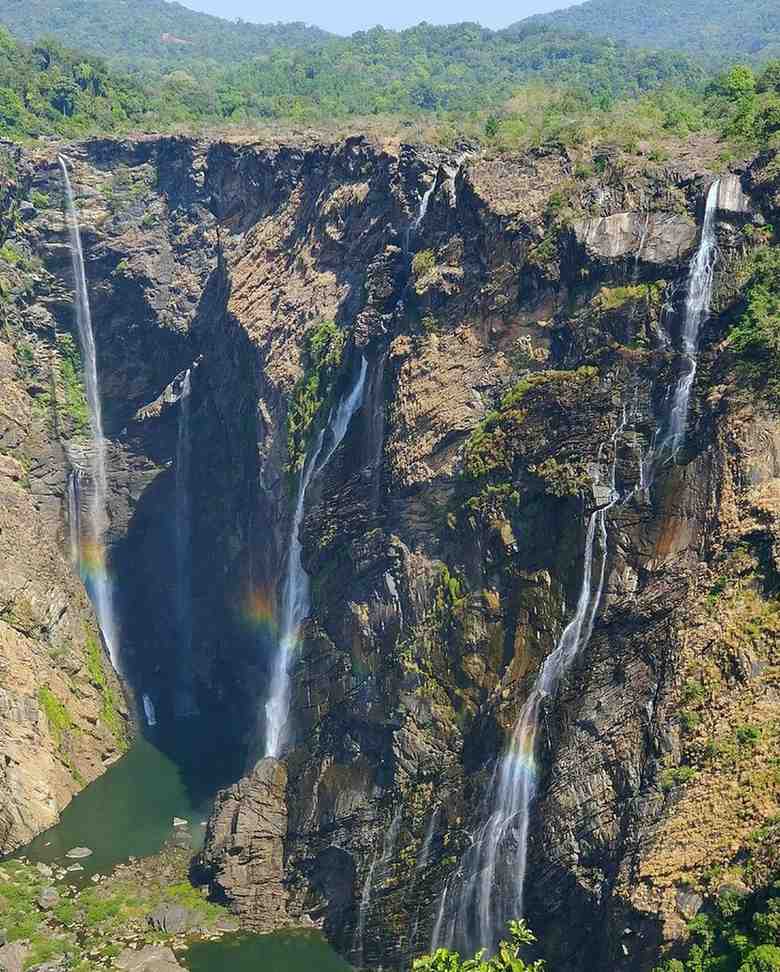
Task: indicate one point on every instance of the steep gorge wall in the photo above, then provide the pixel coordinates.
(445, 551)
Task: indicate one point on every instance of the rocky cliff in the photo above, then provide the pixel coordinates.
(533, 309)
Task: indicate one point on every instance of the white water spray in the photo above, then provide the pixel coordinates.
(185, 695)
(74, 515)
(149, 712)
(487, 888)
(697, 309)
(295, 592)
(93, 561)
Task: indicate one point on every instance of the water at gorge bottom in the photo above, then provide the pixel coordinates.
(129, 812)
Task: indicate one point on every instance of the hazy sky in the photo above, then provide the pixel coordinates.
(346, 16)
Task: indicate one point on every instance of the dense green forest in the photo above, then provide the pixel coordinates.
(47, 87)
(163, 65)
(714, 32)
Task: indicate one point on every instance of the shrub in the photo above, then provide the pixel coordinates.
(676, 776)
(765, 958)
(423, 264)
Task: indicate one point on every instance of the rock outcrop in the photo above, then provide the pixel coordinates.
(245, 847)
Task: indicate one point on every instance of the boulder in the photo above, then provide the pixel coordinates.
(77, 853)
(151, 958)
(12, 957)
(48, 898)
(173, 919)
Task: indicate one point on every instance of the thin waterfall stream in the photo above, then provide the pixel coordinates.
(296, 601)
(486, 890)
(87, 543)
(697, 308)
(185, 694)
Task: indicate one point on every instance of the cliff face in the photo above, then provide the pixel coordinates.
(531, 312)
(62, 714)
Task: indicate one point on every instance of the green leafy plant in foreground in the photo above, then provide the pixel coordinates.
(506, 959)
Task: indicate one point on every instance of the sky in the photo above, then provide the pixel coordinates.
(347, 16)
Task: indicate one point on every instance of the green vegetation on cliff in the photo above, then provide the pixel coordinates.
(756, 335)
(321, 359)
(740, 934)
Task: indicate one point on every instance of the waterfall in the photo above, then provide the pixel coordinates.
(420, 865)
(421, 211)
(149, 713)
(487, 887)
(91, 549)
(74, 514)
(697, 309)
(388, 849)
(365, 901)
(185, 696)
(295, 592)
(425, 850)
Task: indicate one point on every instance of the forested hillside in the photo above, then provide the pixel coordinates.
(715, 32)
(149, 34)
(465, 69)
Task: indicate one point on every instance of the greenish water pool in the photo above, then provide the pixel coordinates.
(129, 812)
(288, 952)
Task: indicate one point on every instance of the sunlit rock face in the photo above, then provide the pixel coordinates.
(507, 334)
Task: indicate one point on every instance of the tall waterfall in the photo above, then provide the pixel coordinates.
(697, 309)
(185, 694)
(295, 592)
(486, 890)
(91, 549)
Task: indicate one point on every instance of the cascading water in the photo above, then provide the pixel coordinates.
(486, 891)
(91, 549)
(295, 592)
(185, 693)
(74, 514)
(697, 309)
(415, 224)
(423, 859)
(421, 212)
(388, 849)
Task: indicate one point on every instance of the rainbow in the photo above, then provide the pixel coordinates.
(522, 752)
(258, 611)
(92, 559)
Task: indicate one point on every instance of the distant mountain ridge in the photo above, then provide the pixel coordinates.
(715, 32)
(149, 33)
